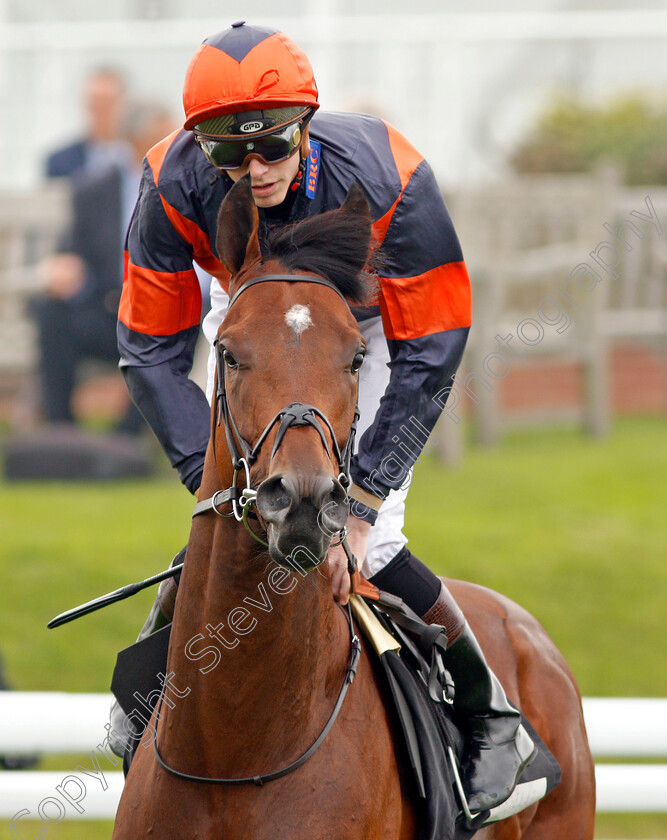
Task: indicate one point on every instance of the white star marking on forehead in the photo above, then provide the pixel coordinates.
(298, 318)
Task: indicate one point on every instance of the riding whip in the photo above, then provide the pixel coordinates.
(112, 597)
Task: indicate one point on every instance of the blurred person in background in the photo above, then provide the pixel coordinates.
(104, 143)
(250, 100)
(77, 311)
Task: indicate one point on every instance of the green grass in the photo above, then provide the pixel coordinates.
(64, 544)
(636, 826)
(572, 528)
(66, 830)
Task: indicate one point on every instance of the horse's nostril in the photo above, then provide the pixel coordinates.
(280, 495)
(333, 508)
(323, 491)
(275, 497)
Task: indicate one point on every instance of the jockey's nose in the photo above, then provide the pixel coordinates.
(257, 168)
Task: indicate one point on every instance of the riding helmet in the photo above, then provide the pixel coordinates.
(247, 68)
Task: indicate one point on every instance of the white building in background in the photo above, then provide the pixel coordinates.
(461, 78)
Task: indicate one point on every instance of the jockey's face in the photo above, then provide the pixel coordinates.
(270, 181)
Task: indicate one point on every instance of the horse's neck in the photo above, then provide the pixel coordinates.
(277, 648)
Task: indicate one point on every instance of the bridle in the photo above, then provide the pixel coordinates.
(295, 414)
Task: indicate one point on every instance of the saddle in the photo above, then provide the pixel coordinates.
(421, 693)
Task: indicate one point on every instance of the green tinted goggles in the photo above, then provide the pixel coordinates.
(270, 148)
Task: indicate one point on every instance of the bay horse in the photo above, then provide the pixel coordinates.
(259, 649)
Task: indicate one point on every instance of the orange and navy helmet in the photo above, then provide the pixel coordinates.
(247, 68)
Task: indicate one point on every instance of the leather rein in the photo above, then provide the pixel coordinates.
(295, 414)
(350, 673)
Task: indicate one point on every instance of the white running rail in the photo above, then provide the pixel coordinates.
(619, 728)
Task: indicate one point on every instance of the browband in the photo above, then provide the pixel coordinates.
(290, 278)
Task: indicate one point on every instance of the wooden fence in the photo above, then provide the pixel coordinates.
(31, 222)
(562, 268)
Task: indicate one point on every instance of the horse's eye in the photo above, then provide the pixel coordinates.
(229, 360)
(358, 361)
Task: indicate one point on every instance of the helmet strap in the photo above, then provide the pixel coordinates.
(298, 179)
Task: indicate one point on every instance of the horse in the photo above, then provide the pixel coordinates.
(259, 650)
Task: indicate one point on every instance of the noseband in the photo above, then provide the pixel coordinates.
(295, 414)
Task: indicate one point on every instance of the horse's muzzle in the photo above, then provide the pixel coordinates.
(303, 514)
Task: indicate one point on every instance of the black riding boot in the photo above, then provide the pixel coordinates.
(122, 729)
(498, 747)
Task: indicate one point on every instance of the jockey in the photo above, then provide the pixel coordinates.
(250, 101)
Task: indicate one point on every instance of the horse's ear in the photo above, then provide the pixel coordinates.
(356, 202)
(238, 223)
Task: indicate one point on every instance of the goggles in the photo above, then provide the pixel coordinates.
(269, 147)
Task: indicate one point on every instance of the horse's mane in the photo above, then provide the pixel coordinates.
(334, 245)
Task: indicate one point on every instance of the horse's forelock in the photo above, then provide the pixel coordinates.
(334, 245)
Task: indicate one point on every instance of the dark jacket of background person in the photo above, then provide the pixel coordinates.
(83, 325)
(76, 315)
(95, 235)
(65, 162)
